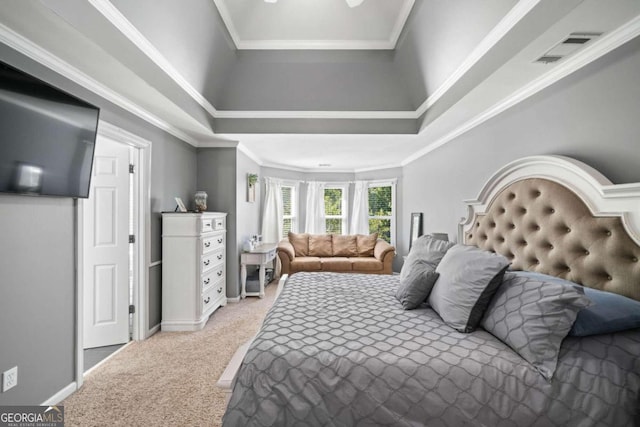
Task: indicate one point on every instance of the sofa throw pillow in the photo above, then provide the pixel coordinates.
(415, 288)
(300, 243)
(533, 317)
(320, 245)
(428, 249)
(607, 314)
(469, 277)
(344, 245)
(366, 244)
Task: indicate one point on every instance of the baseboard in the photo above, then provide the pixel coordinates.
(97, 365)
(234, 300)
(61, 395)
(152, 331)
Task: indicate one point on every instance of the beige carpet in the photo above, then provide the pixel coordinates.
(169, 379)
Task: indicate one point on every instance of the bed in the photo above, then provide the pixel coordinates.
(339, 349)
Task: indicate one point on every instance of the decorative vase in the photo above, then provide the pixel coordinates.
(201, 201)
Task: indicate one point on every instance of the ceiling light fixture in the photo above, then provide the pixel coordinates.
(354, 3)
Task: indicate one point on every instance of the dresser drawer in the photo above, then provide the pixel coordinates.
(211, 243)
(212, 276)
(213, 296)
(212, 259)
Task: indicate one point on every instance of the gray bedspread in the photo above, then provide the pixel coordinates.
(339, 350)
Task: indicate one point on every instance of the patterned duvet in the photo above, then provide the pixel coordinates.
(339, 350)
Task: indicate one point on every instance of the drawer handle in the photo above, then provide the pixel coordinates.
(219, 256)
(206, 282)
(206, 262)
(220, 240)
(219, 273)
(219, 290)
(206, 301)
(207, 244)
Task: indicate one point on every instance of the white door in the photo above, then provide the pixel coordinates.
(106, 247)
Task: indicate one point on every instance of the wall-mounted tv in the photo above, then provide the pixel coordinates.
(47, 138)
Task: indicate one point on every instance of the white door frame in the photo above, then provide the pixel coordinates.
(142, 249)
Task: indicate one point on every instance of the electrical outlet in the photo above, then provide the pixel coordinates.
(10, 379)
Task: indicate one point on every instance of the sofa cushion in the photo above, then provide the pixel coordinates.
(344, 245)
(335, 264)
(306, 263)
(366, 264)
(366, 243)
(320, 245)
(300, 242)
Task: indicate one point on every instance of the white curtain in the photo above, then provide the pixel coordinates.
(315, 219)
(273, 211)
(360, 213)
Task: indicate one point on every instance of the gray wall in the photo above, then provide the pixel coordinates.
(248, 214)
(37, 295)
(591, 115)
(217, 172)
(37, 289)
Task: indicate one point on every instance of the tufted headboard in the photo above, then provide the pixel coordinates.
(558, 216)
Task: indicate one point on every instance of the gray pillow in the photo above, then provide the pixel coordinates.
(533, 316)
(468, 279)
(427, 249)
(416, 286)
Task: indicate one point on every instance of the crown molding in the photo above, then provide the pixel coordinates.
(403, 16)
(388, 44)
(315, 45)
(228, 22)
(218, 144)
(111, 131)
(113, 15)
(515, 15)
(44, 57)
(306, 114)
(590, 53)
(250, 154)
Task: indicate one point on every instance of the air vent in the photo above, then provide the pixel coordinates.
(569, 45)
(547, 59)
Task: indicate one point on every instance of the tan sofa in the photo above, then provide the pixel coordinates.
(332, 252)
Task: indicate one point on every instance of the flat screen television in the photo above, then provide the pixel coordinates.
(47, 138)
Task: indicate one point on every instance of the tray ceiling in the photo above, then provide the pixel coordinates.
(177, 68)
(313, 24)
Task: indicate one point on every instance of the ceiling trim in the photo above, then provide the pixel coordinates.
(388, 44)
(44, 57)
(250, 154)
(118, 20)
(515, 15)
(315, 45)
(595, 50)
(311, 170)
(592, 52)
(306, 114)
(112, 14)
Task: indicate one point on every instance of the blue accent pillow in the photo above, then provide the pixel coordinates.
(607, 314)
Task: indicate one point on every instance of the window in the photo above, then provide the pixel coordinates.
(289, 217)
(382, 199)
(335, 208)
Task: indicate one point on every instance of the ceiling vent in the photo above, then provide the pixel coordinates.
(571, 44)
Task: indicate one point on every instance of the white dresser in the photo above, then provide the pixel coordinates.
(193, 268)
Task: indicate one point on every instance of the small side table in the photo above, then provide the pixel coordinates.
(261, 255)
